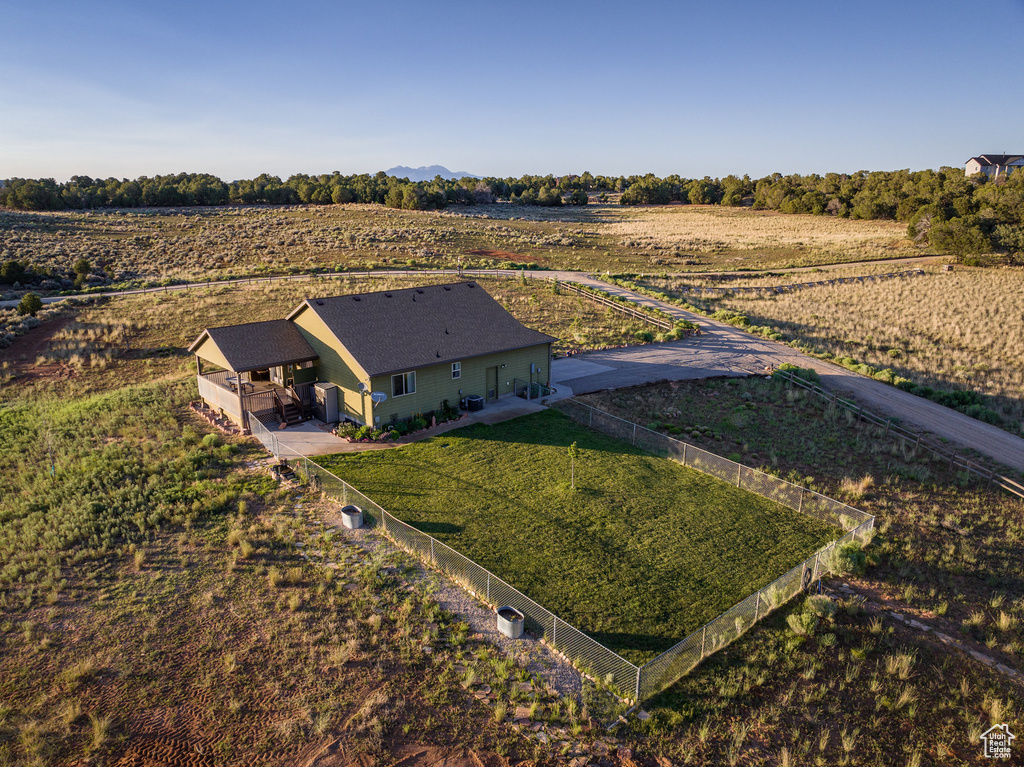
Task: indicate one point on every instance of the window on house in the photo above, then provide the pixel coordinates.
(456, 370)
(403, 383)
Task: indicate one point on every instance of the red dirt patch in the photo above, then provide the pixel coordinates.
(23, 352)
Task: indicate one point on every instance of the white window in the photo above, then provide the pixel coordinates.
(456, 370)
(403, 383)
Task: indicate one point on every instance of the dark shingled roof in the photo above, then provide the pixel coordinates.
(257, 345)
(996, 159)
(396, 330)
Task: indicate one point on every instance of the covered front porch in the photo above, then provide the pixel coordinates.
(262, 368)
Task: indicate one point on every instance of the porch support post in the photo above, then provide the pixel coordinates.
(199, 365)
(241, 405)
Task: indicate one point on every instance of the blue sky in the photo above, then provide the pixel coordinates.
(696, 88)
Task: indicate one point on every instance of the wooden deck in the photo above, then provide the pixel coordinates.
(220, 391)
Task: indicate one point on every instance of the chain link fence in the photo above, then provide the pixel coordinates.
(785, 493)
(632, 682)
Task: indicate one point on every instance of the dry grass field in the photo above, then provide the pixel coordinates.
(142, 337)
(860, 688)
(947, 330)
(679, 283)
(128, 247)
(733, 238)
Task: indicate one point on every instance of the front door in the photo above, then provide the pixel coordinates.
(492, 383)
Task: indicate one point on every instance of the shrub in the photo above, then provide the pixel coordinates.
(802, 624)
(848, 558)
(347, 429)
(30, 304)
(820, 606)
(804, 374)
(212, 440)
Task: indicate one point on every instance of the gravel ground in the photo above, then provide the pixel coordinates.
(536, 656)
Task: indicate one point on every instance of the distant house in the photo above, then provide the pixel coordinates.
(994, 165)
(391, 354)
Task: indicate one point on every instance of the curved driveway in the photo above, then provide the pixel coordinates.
(720, 350)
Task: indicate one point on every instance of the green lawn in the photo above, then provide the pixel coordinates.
(643, 552)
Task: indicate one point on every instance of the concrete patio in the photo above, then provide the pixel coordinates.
(309, 439)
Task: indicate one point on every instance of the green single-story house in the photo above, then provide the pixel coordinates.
(391, 354)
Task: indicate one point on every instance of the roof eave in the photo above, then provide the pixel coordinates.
(274, 364)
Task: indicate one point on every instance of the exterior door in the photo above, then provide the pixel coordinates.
(492, 383)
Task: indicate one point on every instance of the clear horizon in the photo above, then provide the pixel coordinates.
(241, 89)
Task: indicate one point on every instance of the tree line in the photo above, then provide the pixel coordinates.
(943, 208)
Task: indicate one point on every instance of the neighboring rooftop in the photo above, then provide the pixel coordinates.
(391, 331)
(258, 345)
(998, 159)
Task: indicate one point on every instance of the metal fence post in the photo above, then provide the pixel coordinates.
(636, 701)
(433, 559)
(703, 636)
(554, 631)
(757, 608)
(684, 454)
(739, 476)
(488, 587)
(634, 435)
(800, 508)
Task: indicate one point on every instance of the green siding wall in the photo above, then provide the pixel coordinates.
(335, 365)
(435, 384)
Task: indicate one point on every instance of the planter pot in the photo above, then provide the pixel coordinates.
(510, 622)
(352, 517)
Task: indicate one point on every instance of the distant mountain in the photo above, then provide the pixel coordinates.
(426, 173)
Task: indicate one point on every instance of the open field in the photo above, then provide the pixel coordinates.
(128, 247)
(255, 656)
(640, 554)
(677, 283)
(158, 606)
(864, 689)
(735, 238)
(146, 335)
(957, 330)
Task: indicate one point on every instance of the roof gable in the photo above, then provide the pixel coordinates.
(257, 345)
(395, 330)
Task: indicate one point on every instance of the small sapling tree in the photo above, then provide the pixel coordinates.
(573, 452)
(30, 304)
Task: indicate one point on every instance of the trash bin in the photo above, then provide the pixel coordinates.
(510, 622)
(474, 402)
(352, 517)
